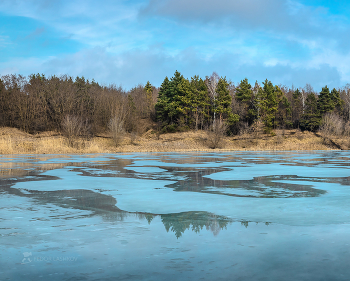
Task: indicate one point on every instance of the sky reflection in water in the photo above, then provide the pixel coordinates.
(192, 216)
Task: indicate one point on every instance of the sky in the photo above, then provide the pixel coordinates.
(130, 42)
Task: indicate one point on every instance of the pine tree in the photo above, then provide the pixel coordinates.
(337, 101)
(311, 119)
(183, 100)
(149, 98)
(148, 87)
(245, 95)
(222, 103)
(244, 92)
(325, 101)
(174, 105)
(162, 111)
(268, 104)
(271, 99)
(200, 101)
(223, 99)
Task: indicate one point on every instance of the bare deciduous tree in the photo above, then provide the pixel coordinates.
(345, 96)
(116, 128)
(212, 83)
(116, 124)
(332, 124)
(74, 127)
(347, 129)
(308, 89)
(216, 133)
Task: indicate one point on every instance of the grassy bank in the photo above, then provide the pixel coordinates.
(14, 141)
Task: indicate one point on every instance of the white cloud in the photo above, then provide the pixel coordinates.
(24, 66)
(4, 41)
(138, 66)
(130, 42)
(278, 16)
(90, 22)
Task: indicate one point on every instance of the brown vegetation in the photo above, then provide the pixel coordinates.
(216, 133)
(14, 141)
(74, 127)
(66, 115)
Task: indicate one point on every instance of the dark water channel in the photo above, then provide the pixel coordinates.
(170, 216)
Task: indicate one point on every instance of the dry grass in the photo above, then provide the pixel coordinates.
(342, 142)
(14, 141)
(288, 140)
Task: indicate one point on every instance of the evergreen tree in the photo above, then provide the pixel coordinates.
(222, 103)
(200, 101)
(271, 99)
(244, 92)
(325, 101)
(329, 101)
(174, 105)
(337, 101)
(311, 119)
(245, 95)
(162, 111)
(149, 99)
(223, 99)
(268, 104)
(184, 102)
(148, 87)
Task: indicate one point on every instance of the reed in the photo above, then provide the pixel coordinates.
(13, 141)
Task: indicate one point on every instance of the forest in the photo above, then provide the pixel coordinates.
(78, 106)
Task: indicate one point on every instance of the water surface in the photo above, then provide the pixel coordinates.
(199, 216)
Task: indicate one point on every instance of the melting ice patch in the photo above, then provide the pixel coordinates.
(153, 196)
(263, 170)
(77, 208)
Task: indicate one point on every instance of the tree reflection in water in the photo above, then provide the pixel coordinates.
(194, 221)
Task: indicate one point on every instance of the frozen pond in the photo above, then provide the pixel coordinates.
(171, 216)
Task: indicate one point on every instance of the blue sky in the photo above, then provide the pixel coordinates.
(132, 41)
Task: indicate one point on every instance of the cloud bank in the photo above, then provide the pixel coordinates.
(131, 42)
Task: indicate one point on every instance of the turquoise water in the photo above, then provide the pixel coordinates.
(199, 216)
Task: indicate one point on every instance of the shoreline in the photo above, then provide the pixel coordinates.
(14, 141)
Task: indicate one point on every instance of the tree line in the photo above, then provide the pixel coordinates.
(184, 104)
(39, 103)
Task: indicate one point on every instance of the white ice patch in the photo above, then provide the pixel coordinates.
(153, 196)
(252, 171)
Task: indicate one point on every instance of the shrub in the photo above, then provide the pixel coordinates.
(116, 128)
(216, 133)
(332, 124)
(73, 127)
